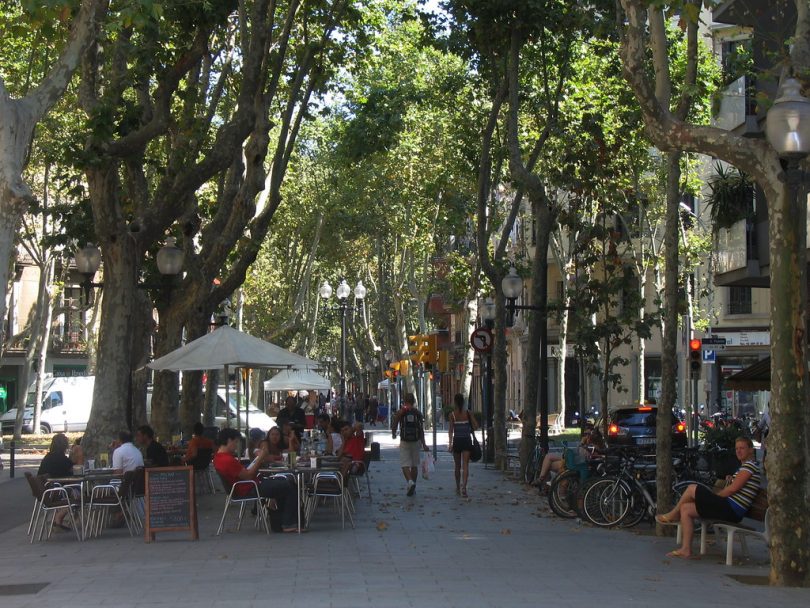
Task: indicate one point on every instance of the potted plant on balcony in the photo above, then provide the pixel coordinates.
(731, 196)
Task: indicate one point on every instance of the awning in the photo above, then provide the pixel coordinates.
(756, 377)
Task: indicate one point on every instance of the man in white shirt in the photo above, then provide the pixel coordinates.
(126, 456)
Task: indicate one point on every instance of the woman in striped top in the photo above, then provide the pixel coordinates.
(729, 504)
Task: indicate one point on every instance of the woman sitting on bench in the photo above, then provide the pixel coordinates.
(729, 504)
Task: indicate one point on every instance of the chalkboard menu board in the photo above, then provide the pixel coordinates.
(170, 501)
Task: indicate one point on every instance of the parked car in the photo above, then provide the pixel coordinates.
(636, 426)
(248, 415)
(65, 402)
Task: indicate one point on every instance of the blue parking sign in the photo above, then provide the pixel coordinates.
(709, 356)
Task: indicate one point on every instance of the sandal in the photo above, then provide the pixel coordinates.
(679, 555)
(464, 492)
(663, 519)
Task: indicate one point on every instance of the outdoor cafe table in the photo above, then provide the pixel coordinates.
(302, 474)
(85, 481)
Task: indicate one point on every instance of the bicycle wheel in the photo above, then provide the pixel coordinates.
(562, 496)
(606, 502)
(533, 467)
(636, 511)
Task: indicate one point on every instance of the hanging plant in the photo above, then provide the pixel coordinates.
(731, 196)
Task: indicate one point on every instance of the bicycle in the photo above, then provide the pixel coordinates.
(564, 491)
(626, 498)
(534, 464)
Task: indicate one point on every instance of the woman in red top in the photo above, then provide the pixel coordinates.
(231, 471)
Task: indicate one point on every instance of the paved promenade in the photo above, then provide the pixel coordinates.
(501, 547)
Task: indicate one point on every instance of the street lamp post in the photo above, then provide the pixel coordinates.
(512, 287)
(787, 129)
(343, 306)
(488, 317)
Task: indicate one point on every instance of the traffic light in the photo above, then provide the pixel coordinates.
(695, 358)
(422, 349)
(413, 348)
(431, 349)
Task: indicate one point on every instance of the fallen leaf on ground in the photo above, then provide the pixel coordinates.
(506, 532)
(381, 526)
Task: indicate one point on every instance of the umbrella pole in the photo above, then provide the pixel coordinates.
(227, 399)
(239, 401)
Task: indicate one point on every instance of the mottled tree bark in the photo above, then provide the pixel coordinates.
(669, 364)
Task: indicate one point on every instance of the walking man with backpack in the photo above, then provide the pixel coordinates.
(410, 423)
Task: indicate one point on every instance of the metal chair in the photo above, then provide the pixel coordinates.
(36, 491)
(354, 478)
(202, 469)
(243, 500)
(105, 498)
(50, 501)
(329, 485)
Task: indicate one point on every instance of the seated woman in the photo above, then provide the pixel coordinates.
(231, 470)
(56, 464)
(291, 441)
(352, 450)
(273, 445)
(334, 438)
(77, 452)
(729, 504)
(553, 461)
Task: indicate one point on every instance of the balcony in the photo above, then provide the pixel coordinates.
(738, 260)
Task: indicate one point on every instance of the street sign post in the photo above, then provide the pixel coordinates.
(481, 339)
(713, 340)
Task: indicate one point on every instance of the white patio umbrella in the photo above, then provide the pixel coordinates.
(297, 380)
(226, 347)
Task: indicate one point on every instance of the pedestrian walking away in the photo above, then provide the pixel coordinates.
(459, 443)
(410, 422)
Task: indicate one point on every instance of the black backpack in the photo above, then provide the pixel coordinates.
(410, 425)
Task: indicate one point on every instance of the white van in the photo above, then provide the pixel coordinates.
(251, 415)
(66, 406)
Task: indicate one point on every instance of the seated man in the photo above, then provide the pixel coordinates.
(231, 471)
(156, 455)
(198, 442)
(126, 456)
(353, 449)
(293, 415)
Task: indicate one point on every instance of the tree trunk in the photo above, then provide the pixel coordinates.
(469, 352)
(192, 402)
(144, 327)
(44, 334)
(669, 365)
(108, 415)
(498, 433)
(166, 388)
(642, 342)
(537, 371)
(210, 403)
(788, 449)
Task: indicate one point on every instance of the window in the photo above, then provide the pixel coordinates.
(739, 301)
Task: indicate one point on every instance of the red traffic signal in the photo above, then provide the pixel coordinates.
(695, 363)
